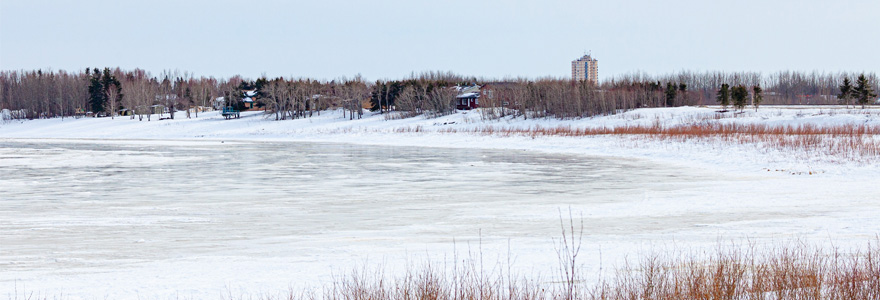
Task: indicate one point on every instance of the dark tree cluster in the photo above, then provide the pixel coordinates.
(863, 93)
(105, 92)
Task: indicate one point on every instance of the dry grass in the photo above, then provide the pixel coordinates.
(851, 142)
(795, 272)
(731, 273)
(799, 272)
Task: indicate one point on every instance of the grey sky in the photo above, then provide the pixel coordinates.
(391, 38)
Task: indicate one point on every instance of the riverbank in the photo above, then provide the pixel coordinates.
(786, 153)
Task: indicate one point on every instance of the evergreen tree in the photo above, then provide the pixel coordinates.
(385, 93)
(97, 96)
(863, 92)
(260, 86)
(724, 96)
(846, 91)
(238, 94)
(670, 94)
(739, 94)
(758, 96)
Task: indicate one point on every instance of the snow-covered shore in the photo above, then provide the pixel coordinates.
(377, 129)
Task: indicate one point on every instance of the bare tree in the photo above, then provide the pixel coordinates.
(114, 93)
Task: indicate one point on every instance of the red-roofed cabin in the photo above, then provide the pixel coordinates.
(468, 97)
(467, 101)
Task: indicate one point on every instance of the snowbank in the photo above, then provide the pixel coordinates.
(5, 115)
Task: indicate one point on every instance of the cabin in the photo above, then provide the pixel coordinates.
(248, 103)
(468, 98)
(248, 100)
(467, 101)
(218, 103)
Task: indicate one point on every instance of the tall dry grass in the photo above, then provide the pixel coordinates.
(843, 141)
(793, 271)
(797, 272)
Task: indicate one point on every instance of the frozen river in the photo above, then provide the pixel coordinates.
(128, 219)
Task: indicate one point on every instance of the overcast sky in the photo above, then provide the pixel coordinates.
(326, 39)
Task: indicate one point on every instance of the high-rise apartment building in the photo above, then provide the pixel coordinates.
(585, 68)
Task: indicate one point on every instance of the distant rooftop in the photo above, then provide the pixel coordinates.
(586, 57)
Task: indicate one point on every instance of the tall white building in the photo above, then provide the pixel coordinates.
(585, 68)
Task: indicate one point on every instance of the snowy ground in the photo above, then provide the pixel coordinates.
(127, 209)
(375, 129)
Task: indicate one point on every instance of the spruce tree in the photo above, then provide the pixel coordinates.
(724, 96)
(97, 96)
(758, 96)
(670, 94)
(863, 92)
(846, 91)
(740, 94)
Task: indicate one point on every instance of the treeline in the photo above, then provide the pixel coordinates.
(563, 98)
(107, 92)
(436, 94)
(780, 88)
(432, 93)
(300, 98)
(137, 94)
(34, 94)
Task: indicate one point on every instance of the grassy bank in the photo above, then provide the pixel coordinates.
(795, 271)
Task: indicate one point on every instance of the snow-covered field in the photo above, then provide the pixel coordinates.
(101, 208)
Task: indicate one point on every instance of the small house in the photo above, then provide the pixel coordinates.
(218, 103)
(248, 100)
(468, 98)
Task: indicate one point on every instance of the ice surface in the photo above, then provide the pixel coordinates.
(149, 219)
